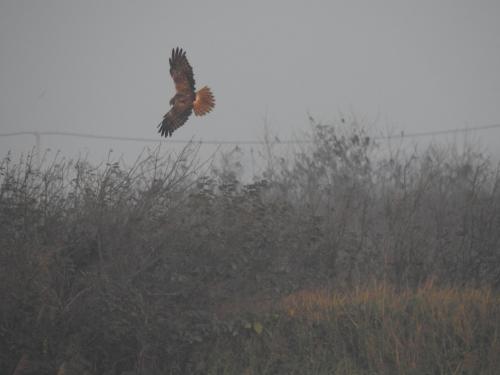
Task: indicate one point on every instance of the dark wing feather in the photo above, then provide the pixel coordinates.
(174, 118)
(182, 103)
(181, 72)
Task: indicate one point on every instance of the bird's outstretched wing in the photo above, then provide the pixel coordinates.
(182, 103)
(174, 118)
(181, 72)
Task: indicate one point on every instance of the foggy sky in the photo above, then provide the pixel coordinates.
(102, 67)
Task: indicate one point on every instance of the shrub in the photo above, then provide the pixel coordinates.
(115, 268)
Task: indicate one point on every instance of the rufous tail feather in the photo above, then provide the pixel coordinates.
(204, 102)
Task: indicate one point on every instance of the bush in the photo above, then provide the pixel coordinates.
(115, 268)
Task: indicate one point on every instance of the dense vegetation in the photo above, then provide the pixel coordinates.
(341, 258)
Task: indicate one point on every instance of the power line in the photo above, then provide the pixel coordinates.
(236, 142)
(440, 132)
(89, 135)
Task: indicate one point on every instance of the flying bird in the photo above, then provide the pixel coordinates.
(186, 99)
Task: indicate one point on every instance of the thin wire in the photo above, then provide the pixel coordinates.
(439, 132)
(238, 142)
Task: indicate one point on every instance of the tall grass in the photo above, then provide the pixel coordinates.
(148, 267)
(371, 330)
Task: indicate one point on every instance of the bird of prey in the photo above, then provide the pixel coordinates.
(186, 99)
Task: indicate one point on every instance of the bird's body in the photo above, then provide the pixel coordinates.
(186, 100)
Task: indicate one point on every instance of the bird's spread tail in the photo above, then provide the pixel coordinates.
(204, 102)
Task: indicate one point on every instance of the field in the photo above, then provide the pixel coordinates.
(345, 257)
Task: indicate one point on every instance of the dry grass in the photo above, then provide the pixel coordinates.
(372, 330)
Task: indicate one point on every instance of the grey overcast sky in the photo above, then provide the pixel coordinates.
(102, 66)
